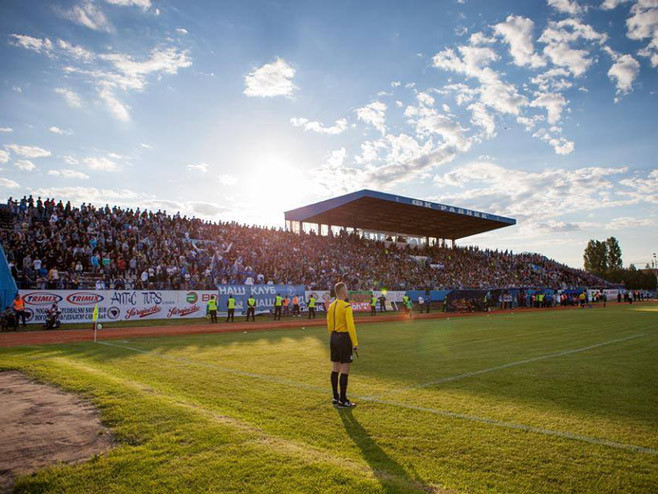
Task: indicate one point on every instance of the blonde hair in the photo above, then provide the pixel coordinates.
(340, 286)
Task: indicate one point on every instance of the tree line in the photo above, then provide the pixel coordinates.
(603, 258)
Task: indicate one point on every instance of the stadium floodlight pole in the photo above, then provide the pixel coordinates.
(655, 270)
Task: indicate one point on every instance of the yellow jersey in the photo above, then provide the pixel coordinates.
(341, 319)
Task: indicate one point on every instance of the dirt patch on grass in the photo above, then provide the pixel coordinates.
(41, 425)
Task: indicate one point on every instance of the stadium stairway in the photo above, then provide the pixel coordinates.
(8, 286)
(6, 219)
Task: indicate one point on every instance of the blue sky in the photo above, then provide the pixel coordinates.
(544, 111)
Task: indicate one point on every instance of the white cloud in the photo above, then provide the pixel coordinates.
(71, 97)
(68, 174)
(25, 165)
(181, 30)
(555, 79)
(28, 151)
(57, 130)
(89, 15)
(518, 34)
(373, 114)
(10, 184)
(642, 189)
(338, 127)
(145, 146)
(75, 51)
(473, 62)
(535, 196)
(425, 99)
(560, 144)
(383, 163)
(132, 74)
(93, 195)
(208, 209)
(623, 72)
(482, 118)
(558, 37)
(100, 164)
(570, 7)
(271, 79)
(109, 72)
(643, 24)
(611, 4)
(227, 179)
(4, 156)
(142, 4)
(625, 222)
(429, 122)
(39, 45)
(198, 167)
(336, 158)
(554, 103)
(6, 129)
(117, 109)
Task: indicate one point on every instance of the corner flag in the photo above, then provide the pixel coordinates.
(94, 318)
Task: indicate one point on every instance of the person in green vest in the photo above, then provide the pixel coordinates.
(278, 303)
(230, 305)
(410, 306)
(406, 301)
(311, 306)
(373, 305)
(212, 309)
(251, 308)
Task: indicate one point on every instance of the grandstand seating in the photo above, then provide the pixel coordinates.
(56, 245)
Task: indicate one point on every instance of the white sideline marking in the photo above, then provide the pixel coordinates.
(434, 411)
(520, 362)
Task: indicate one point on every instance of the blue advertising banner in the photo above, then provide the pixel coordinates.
(435, 295)
(265, 295)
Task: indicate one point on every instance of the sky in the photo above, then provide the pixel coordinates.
(542, 110)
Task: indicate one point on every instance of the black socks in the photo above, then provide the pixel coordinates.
(343, 387)
(334, 384)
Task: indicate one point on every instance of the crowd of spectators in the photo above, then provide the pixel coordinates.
(55, 245)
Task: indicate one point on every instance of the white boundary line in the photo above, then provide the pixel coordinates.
(520, 362)
(441, 413)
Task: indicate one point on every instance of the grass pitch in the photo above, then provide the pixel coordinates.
(526, 402)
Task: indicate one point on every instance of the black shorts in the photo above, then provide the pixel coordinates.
(341, 347)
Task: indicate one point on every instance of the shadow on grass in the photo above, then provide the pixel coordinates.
(390, 474)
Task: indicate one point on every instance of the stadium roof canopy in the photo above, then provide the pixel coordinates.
(379, 212)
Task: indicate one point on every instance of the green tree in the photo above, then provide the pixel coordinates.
(596, 257)
(614, 261)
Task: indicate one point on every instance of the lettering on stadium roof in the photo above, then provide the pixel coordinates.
(449, 209)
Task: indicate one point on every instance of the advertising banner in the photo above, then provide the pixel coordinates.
(265, 296)
(360, 301)
(77, 306)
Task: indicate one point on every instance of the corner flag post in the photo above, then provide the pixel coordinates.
(94, 318)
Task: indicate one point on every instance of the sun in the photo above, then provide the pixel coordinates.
(274, 184)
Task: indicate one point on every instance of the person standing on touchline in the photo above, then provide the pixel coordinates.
(342, 342)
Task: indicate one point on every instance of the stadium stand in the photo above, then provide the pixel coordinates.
(53, 245)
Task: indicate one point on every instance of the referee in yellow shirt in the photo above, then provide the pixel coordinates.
(340, 322)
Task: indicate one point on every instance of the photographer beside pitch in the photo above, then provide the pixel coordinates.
(343, 340)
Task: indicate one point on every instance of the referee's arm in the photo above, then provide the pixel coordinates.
(351, 328)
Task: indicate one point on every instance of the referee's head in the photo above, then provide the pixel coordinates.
(340, 289)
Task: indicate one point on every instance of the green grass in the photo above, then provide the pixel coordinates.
(250, 412)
